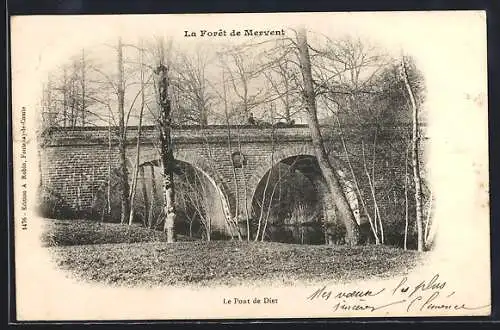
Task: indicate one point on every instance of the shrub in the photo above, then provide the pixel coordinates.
(51, 205)
(99, 208)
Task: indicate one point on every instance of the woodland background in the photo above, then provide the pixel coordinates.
(359, 90)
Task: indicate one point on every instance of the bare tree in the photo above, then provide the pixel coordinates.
(120, 91)
(282, 76)
(194, 195)
(139, 131)
(113, 95)
(339, 198)
(415, 154)
(48, 104)
(71, 93)
(83, 87)
(166, 152)
(405, 242)
(247, 90)
(192, 88)
(347, 72)
(262, 218)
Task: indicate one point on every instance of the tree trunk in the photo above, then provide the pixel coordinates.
(415, 160)
(203, 120)
(338, 195)
(136, 168)
(65, 97)
(405, 244)
(371, 184)
(125, 202)
(166, 154)
(288, 117)
(431, 234)
(428, 238)
(263, 233)
(83, 85)
(245, 186)
(230, 152)
(145, 197)
(154, 193)
(356, 184)
(138, 146)
(108, 188)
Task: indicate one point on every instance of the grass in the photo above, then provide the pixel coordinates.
(133, 260)
(82, 232)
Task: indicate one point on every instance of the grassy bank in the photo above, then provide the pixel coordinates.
(123, 255)
(83, 232)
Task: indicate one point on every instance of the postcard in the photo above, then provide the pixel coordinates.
(250, 166)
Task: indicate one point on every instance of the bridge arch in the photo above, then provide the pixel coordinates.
(273, 159)
(302, 159)
(211, 185)
(199, 162)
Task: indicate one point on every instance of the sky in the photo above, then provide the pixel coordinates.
(445, 49)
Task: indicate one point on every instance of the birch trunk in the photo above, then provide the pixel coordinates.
(415, 159)
(166, 155)
(406, 200)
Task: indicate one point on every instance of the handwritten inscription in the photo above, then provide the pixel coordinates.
(423, 286)
(323, 293)
(428, 295)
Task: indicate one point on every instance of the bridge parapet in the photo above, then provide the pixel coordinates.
(60, 136)
(188, 134)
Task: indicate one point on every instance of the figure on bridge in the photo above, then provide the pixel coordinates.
(280, 124)
(251, 119)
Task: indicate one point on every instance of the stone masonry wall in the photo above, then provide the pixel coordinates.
(75, 161)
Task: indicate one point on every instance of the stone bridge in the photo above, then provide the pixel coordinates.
(234, 160)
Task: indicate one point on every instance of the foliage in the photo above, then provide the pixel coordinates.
(99, 208)
(52, 205)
